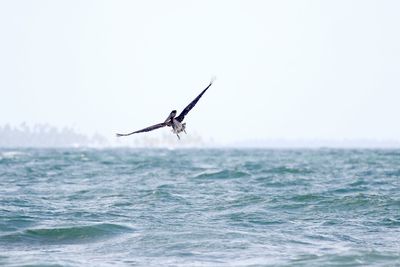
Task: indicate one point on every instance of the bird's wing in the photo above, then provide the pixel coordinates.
(192, 104)
(148, 129)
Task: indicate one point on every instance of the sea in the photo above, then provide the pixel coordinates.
(199, 207)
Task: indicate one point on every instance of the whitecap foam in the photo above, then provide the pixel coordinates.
(12, 154)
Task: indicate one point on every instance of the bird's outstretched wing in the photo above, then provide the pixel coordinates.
(148, 129)
(192, 104)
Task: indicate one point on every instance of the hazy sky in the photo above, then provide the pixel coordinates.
(285, 69)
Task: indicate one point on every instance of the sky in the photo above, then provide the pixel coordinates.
(285, 69)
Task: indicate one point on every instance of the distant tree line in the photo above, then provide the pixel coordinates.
(45, 135)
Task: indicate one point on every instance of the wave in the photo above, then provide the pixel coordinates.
(12, 154)
(224, 174)
(347, 201)
(15, 223)
(287, 170)
(67, 235)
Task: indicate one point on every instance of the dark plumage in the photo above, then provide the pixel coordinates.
(172, 121)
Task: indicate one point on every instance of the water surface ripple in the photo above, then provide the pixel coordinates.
(133, 207)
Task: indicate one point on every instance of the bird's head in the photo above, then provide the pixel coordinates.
(170, 116)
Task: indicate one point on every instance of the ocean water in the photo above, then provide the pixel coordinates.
(132, 207)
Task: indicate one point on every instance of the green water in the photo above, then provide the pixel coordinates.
(122, 207)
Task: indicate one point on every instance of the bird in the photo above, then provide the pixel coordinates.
(172, 121)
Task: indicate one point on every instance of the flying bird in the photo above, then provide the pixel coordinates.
(172, 121)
